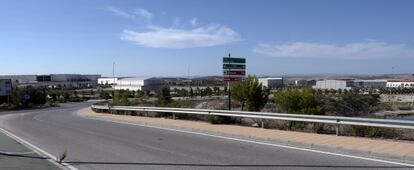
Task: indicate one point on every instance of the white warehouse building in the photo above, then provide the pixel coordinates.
(334, 84)
(54, 80)
(110, 80)
(271, 82)
(107, 80)
(139, 83)
(400, 84)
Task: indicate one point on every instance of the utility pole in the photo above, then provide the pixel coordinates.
(228, 87)
(113, 72)
(113, 83)
(189, 82)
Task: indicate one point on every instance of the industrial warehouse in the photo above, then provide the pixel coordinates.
(348, 84)
(132, 83)
(54, 80)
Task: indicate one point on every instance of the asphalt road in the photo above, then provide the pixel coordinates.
(95, 144)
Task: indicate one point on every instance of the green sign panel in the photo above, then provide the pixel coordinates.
(233, 60)
(233, 66)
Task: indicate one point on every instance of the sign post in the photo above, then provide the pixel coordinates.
(234, 70)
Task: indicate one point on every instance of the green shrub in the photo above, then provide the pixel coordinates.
(219, 119)
(318, 127)
(215, 119)
(404, 107)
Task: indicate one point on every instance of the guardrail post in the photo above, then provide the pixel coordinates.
(337, 127)
(262, 124)
(174, 116)
(145, 112)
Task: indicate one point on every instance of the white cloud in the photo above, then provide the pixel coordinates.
(138, 13)
(143, 13)
(119, 12)
(159, 37)
(193, 21)
(359, 50)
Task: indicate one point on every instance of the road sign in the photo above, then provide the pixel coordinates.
(233, 66)
(234, 69)
(234, 72)
(233, 78)
(234, 60)
(5, 87)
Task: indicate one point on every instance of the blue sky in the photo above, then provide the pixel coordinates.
(165, 38)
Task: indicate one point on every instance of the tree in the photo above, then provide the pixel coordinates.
(121, 98)
(104, 95)
(303, 101)
(29, 96)
(250, 93)
(75, 94)
(182, 92)
(164, 95)
(216, 90)
(351, 104)
(139, 94)
(208, 91)
(191, 92)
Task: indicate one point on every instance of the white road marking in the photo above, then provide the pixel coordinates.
(261, 143)
(50, 156)
(16, 153)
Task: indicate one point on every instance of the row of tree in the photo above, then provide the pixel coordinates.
(309, 101)
(29, 96)
(202, 92)
(252, 96)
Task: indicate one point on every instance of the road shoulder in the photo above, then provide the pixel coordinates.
(14, 155)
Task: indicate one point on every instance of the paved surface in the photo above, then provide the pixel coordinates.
(15, 156)
(95, 144)
(389, 149)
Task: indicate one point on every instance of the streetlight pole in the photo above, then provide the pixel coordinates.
(228, 87)
(113, 74)
(113, 83)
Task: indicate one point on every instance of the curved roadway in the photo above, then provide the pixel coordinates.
(95, 144)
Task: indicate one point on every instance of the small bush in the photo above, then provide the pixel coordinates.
(62, 156)
(404, 107)
(220, 119)
(133, 113)
(318, 127)
(215, 119)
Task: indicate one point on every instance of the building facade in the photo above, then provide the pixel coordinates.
(400, 84)
(107, 80)
(271, 82)
(142, 84)
(369, 84)
(54, 80)
(305, 82)
(334, 84)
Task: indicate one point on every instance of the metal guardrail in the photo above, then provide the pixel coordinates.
(336, 120)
